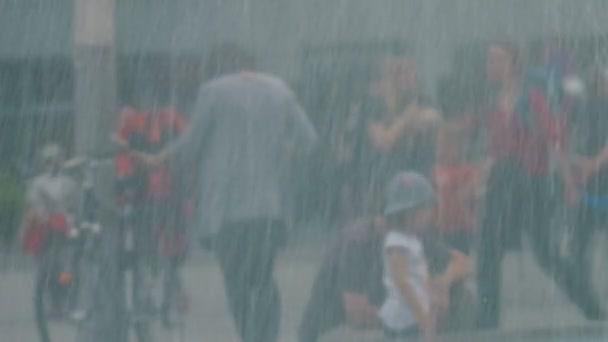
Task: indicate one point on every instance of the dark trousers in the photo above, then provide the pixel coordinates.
(246, 252)
(588, 218)
(517, 201)
(324, 310)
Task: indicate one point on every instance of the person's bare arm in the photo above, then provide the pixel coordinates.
(385, 136)
(399, 268)
(458, 268)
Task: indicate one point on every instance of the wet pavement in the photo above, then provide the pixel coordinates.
(530, 299)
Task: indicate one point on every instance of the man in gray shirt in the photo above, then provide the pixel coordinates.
(246, 129)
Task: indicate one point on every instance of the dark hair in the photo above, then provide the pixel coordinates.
(227, 58)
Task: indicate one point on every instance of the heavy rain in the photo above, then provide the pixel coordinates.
(303, 170)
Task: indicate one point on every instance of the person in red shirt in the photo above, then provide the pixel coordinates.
(147, 132)
(456, 182)
(155, 192)
(518, 193)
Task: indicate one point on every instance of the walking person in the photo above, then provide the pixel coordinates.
(246, 128)
(517, 196)
(592, 210)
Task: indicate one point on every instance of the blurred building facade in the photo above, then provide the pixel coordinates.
(160, 43)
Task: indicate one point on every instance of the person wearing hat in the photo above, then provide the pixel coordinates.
(349, 286)
(409, 211)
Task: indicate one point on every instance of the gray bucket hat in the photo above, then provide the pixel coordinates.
(407, 190)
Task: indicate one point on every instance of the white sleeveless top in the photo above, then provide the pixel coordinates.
(396, 313)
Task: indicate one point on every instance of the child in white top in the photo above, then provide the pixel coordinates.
(409, 211)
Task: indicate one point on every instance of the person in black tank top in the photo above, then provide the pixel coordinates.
(403, 138)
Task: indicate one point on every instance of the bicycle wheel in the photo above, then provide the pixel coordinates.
(54, 295)
(99, 313)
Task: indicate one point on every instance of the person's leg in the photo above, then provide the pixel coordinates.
(497, 218)
(234, 258)
(489, 262)
(572, 277)
(265, 298)
(578, 281)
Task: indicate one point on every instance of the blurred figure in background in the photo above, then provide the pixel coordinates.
(456, 175)
(155, 194)
(158, 198)
(591, 165)
(348, 136)
(402, 136)
(457, 187)
(522, 133)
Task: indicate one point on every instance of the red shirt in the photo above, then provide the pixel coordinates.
(150, 127)
(456, 197)
(529, 145)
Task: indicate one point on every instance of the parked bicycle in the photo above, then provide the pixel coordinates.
(93, 285)
(70, 251)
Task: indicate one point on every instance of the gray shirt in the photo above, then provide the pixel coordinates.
(246, 128)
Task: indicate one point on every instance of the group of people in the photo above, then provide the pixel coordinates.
(405, 267)
(538, 125)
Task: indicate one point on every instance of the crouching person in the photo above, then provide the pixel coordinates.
(350, 289)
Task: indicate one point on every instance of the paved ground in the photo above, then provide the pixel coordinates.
(530, 300)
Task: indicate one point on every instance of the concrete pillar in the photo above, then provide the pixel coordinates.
(95, 74)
